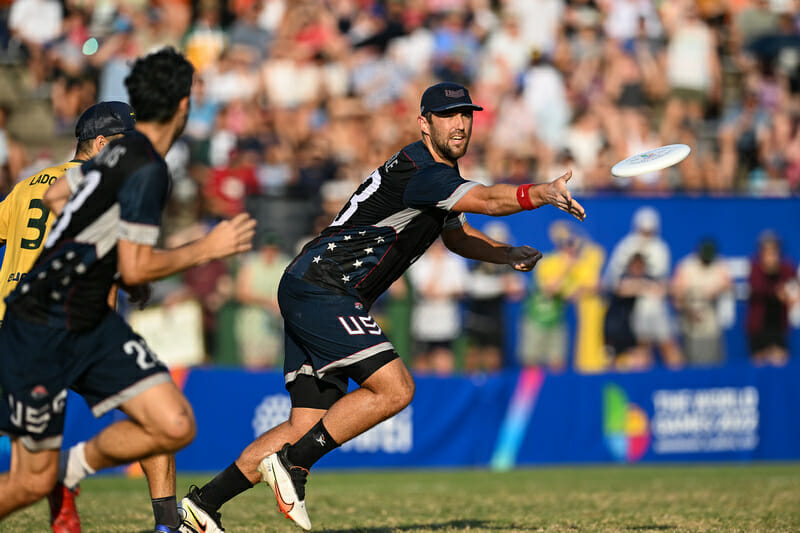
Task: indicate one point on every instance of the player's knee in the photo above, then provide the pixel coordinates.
(402, 393)
(178, 431)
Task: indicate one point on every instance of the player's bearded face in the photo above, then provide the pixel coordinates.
(450, 133)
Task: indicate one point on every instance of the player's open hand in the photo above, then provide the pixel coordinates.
(523, 258)
(232, 236)
(557, 194)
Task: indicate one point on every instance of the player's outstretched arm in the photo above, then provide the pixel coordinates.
(503, 199)
(139, 263)
(471, 243)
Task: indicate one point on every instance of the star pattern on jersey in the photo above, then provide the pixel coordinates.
(345, 278)
(317, 258)
(347, 237)
(331, 246)
(367, 251)
(379, 239)
(358, 263)
(362, 233)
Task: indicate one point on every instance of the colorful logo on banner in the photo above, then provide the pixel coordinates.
(626, 429)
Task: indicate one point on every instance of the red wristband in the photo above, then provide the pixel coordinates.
(524, 198)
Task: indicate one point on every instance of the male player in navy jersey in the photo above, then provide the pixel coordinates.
(24, 226)
(59, 331)
(326, 292)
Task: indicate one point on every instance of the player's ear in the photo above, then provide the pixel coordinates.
(184, 105)
(99, 142)
(423, 125)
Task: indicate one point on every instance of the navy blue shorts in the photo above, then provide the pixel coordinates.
(328, 336)
(107, 365)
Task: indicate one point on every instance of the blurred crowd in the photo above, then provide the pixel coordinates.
(583, 308)
(296, 102)
(303, 98)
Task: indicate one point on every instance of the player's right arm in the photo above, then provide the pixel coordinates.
(503, 199)
(141, 199)
(141, 263)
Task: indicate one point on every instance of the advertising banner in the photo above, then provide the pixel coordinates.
(512, 418)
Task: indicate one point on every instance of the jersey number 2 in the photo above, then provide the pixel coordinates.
(38, 223)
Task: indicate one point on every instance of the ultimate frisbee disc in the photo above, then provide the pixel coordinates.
(651, 160)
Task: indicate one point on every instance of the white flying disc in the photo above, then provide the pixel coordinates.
(651, 160)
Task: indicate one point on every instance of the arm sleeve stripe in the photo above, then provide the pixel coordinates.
(459, 193)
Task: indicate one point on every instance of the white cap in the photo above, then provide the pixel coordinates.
(646, 219)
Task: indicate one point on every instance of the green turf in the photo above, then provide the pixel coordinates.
(750, 498)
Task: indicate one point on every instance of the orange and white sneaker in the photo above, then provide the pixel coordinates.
(288, 482)
(63, 513)
(198, 517)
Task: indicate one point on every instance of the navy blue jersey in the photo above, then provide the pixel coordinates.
(396, 213)
(118, 194)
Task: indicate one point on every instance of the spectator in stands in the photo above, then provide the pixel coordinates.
(13, 155)
(544, 329)
(589, 353)
(547, 104)
(228, 186)
(259, 326)
(650, 316)
(620, 341)
(489, 288)
(33, 24)
(701, 280)
(773, 289)
(693, 67)
(439, 279)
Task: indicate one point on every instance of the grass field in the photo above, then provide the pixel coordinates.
(635, 499)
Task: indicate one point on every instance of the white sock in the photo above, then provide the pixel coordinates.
(72, 467)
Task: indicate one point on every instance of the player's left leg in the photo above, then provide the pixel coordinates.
(30, 478)
(201, 505)
(384, 393)
(160, 422)
(160, 472)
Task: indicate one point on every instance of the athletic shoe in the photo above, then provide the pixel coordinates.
(198, 517)
(288, 482)
(63, 513)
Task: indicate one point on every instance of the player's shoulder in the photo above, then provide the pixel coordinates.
(45, 177)
(418, 154)
(132, 146)
(131, 153)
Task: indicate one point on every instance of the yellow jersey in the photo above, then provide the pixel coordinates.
(24, 225)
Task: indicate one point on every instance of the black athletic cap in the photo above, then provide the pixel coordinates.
(105, 118)
(445, 96)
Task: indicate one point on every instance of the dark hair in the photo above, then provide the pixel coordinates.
(157, 83)
(84, 147)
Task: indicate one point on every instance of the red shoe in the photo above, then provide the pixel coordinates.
(63, 513)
